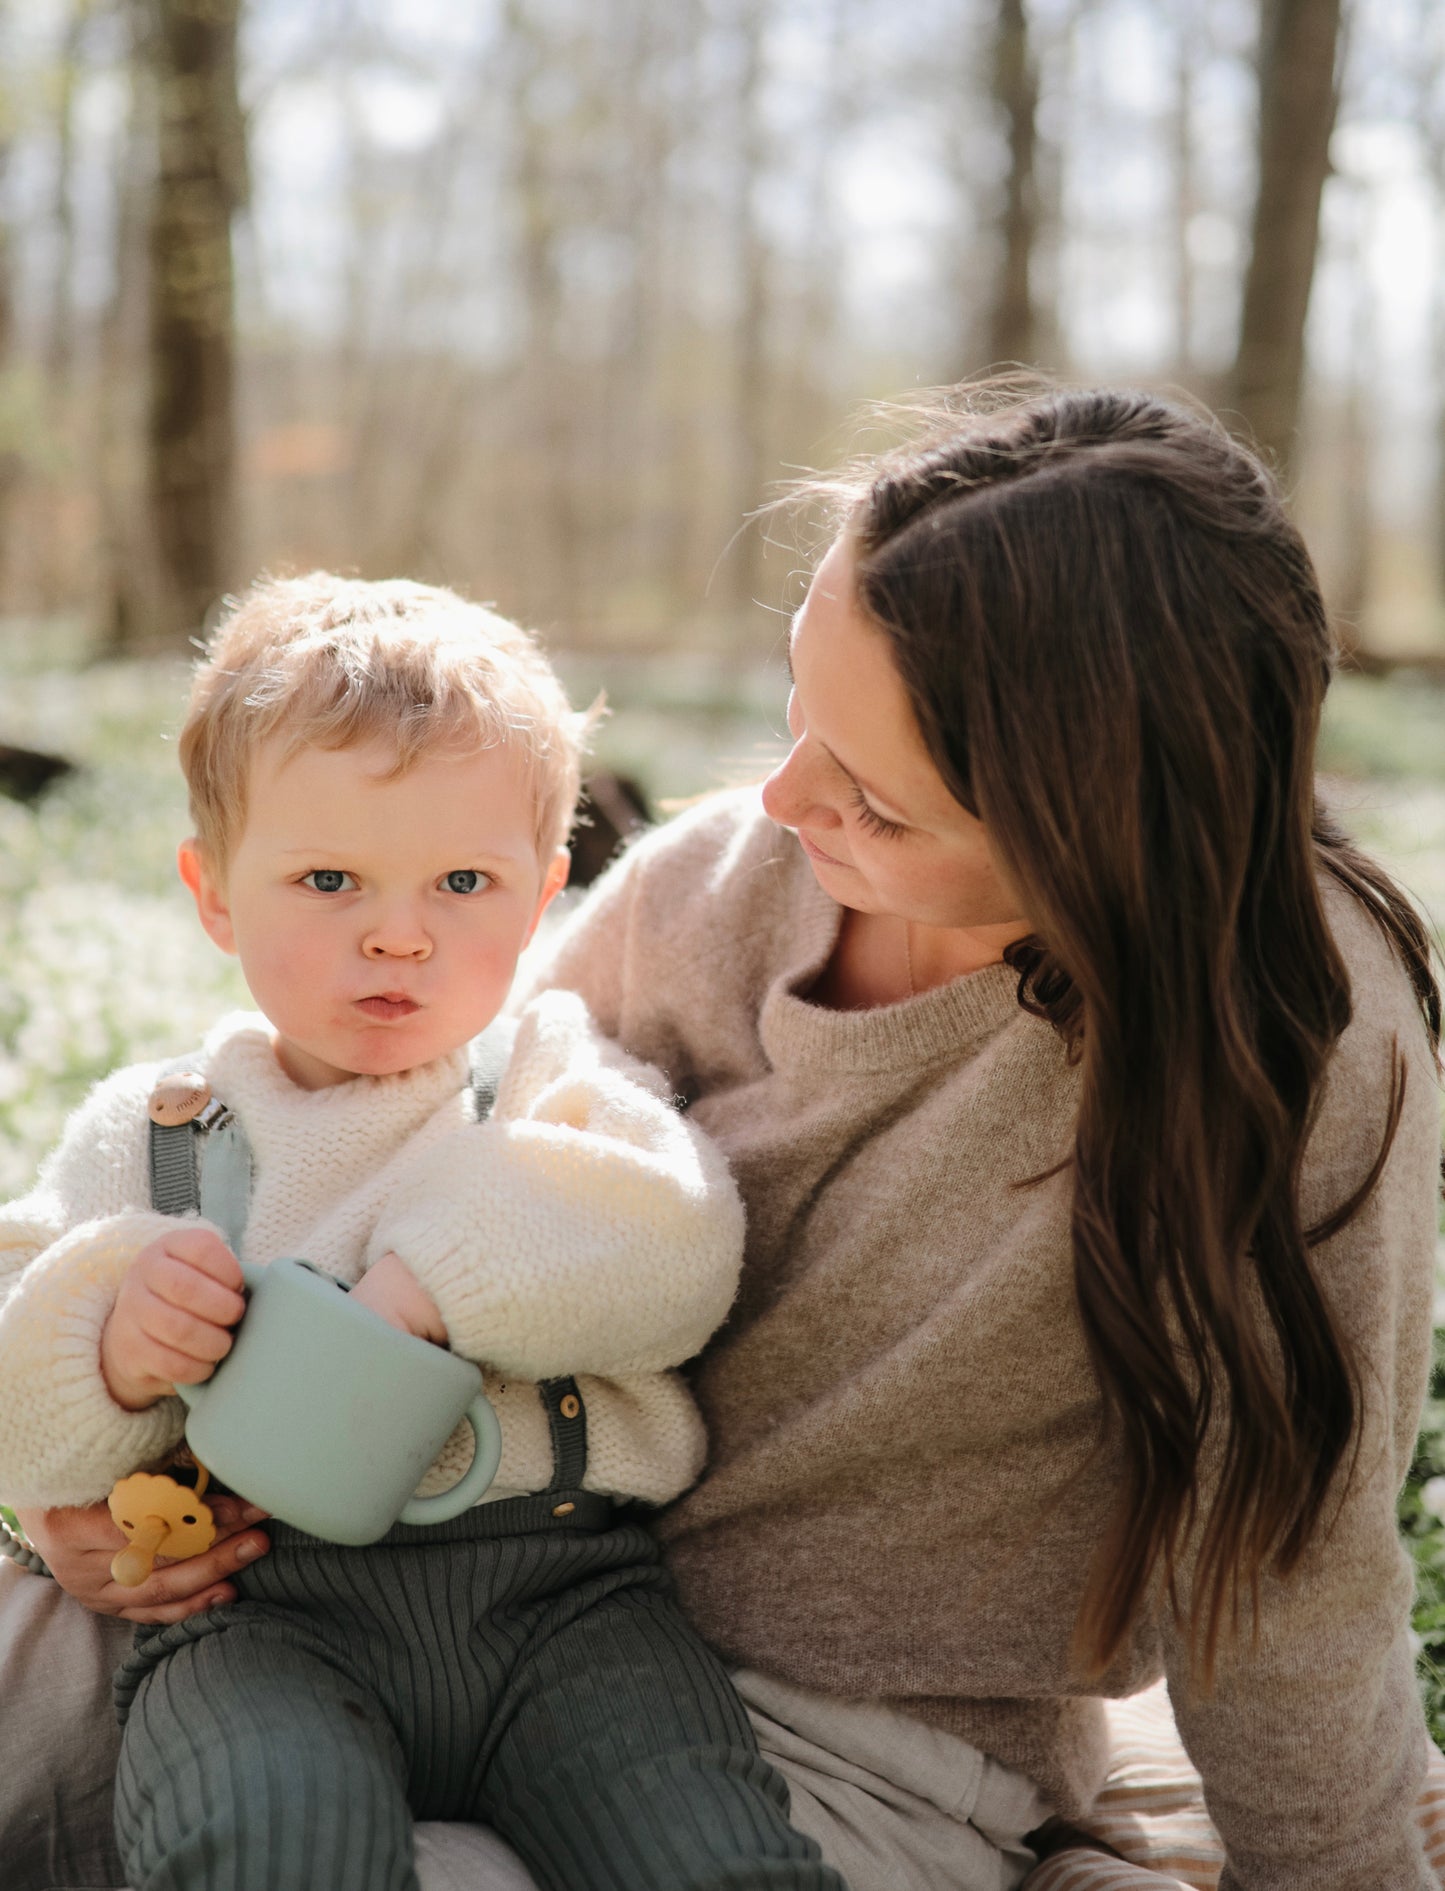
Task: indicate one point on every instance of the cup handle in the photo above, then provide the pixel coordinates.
(487, 1455)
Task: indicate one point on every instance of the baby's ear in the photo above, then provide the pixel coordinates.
(208, 890)
(558, 868)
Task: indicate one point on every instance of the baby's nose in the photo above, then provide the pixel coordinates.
(397, 939)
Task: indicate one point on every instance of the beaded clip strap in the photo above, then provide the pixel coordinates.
(19, 1551)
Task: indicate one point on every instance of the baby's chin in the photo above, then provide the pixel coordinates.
(311, 1068)
(318, 1062)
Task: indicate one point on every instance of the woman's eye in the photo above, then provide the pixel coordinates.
(466, 880)
(329, 880)
(872, 822)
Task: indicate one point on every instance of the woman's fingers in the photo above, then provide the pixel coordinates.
(177, 1590)
(233, 1513)
(79, 1543)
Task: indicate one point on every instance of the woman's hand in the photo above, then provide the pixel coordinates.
(78, 1545)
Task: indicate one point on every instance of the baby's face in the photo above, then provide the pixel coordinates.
(377, 922)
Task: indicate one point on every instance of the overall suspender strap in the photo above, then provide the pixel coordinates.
(175, 1173)
(487, 1059)
(567, 1422)
(202, 1166)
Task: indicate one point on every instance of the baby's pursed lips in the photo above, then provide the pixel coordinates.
(389, 1004)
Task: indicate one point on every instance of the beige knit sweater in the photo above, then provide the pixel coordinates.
(585, 1229)
(899, 1503)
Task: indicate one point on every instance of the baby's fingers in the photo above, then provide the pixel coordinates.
(179, 1282)
(178, 1346)
(200, 1248)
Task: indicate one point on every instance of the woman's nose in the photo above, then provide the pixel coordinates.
(790, 794)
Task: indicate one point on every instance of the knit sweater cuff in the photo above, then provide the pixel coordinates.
(549, 1248)
(63, 1438)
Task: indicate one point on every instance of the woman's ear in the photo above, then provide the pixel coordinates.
(558, 869)
(208, 890)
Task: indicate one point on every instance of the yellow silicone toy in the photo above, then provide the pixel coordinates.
(158, 1517)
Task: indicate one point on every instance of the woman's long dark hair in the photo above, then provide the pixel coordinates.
(1117, 652)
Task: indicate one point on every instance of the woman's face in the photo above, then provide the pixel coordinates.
(859, 788)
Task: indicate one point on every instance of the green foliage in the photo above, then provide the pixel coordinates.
(1422, 1526)
(101, 960)
(1384, 728)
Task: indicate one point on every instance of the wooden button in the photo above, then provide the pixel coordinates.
(563, 1510)
(570, 1406)
(178, 1099)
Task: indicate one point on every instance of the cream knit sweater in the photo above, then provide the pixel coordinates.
(586, 1228)
(899, 1503)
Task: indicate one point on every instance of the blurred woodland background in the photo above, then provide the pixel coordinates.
(538, 297)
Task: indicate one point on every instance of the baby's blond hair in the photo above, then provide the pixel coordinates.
(337, 662)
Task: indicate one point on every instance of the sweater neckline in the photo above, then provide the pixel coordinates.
(937, 1026)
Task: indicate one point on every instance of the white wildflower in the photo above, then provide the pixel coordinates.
(1432, 1497)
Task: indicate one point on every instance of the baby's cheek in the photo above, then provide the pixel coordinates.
(285, 978)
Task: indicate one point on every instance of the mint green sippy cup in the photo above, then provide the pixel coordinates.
(329, 1417)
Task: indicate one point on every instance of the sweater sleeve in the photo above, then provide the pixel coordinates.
(64, 1250)
(1312, 1743)
(586, 1227)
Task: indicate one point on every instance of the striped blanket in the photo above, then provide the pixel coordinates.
(1151, 1815)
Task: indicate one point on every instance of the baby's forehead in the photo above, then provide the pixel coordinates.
(380, 760)
(303, 789)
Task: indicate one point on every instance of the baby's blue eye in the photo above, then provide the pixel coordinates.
(328, 880)
(465, 880)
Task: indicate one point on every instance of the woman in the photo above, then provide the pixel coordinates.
(1080, 1079)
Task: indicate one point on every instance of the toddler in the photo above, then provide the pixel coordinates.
(382, 779)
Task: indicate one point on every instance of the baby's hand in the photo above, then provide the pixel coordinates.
(390, 1288)
(172, 1317)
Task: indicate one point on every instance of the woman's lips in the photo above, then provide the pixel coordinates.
(815, 852)
(388, 1005)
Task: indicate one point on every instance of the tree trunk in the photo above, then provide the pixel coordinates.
(1012, 328)
(1352, 586)
(11, 462)
(553, 551)
(1437, 349)
(1186, 59)
(190, 428)
(753, 464)
(126, 555)
(1430, 120)
(1298, 94)
(59, 345)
